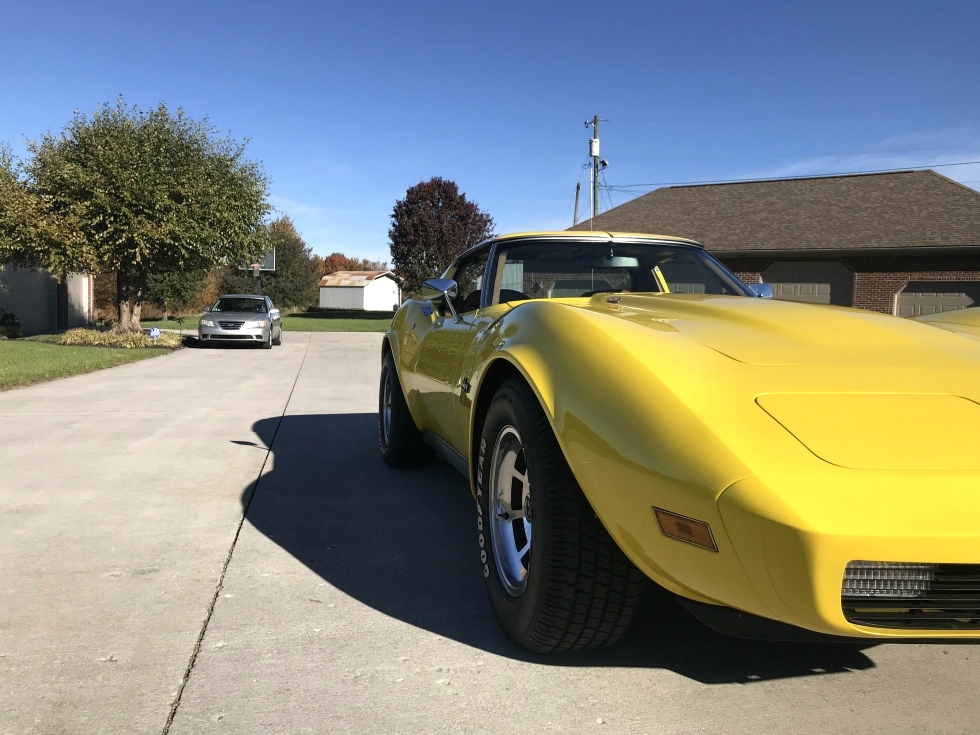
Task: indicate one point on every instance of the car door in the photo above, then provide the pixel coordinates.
(442, 341)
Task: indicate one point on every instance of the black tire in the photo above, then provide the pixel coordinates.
(573, 589)
(399, 439)
(278, 340)
(267, 345)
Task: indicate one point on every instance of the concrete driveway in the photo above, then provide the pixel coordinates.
(207, 542)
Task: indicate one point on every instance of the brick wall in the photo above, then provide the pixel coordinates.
(878, 280)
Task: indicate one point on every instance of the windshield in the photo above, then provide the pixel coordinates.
(549, 269)
(239, 304)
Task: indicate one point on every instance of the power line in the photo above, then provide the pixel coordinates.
(627, 187)
(791, 115)
(797, 155)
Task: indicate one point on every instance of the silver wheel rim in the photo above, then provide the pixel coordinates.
(510, 511)
(386, 408)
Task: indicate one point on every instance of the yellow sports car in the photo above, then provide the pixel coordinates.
(624, 407)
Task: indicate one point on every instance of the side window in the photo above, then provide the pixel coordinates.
(469, 277)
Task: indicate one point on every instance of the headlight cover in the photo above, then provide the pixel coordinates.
(207, 323)
(258, 323)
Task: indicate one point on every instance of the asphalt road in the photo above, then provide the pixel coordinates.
(207, 542)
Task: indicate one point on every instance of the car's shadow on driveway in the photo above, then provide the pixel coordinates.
(404, 543)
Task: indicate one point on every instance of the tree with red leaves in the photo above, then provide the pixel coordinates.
(433, 224)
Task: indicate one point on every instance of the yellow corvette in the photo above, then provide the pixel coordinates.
(624, 407)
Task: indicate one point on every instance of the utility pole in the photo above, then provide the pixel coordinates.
(578, 191)
(597, 163)
(594, 152)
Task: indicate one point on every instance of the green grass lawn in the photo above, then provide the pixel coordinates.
(341, 321)
(313, 321)
(32, 360)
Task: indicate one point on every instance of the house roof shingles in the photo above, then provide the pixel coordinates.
(907, 209)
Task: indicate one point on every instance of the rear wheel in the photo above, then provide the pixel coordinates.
(555, 578)
(399, 439)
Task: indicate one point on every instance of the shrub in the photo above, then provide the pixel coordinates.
(129, 340)
(9, 325)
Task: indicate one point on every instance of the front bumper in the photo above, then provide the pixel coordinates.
(232, 333)
(795, 556)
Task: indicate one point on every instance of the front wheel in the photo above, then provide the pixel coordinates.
(278, 340)
(555, 578)
(399, 439)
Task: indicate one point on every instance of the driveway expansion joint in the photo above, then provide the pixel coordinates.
(175, 705)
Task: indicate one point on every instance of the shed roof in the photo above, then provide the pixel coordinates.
(354, 278)
(906, 209)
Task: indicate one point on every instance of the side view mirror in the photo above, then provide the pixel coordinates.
(762, 290)
(445, 289)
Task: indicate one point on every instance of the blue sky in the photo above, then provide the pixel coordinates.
(349, 104)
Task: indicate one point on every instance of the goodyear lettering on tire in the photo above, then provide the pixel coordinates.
(479, 507)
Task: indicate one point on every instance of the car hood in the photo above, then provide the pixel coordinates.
(961, 321)
(805, 366)
(234, 316)
(768, 332)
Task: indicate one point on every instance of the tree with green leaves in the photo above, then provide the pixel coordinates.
(175, 290)
(137, 193)
(433, 224)
(293, 282)
(26, 230)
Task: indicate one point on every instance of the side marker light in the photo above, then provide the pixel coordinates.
(686, 529)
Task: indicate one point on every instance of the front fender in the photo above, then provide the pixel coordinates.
(619, 399)
(402, 339)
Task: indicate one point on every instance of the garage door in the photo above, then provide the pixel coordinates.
(812, 282)
(924, 297)
(811, 293)
(31, 295)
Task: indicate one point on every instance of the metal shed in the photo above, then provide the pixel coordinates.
(360, 291)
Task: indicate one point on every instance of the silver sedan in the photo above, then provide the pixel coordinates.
(241, 318)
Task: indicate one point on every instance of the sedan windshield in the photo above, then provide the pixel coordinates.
(239, 304)
(549, 269)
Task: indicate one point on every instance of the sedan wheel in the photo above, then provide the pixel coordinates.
(555, 579)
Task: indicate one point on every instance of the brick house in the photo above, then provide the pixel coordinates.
(903, 243)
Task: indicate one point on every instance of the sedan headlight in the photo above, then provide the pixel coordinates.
(207, 323)
(258, 323)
